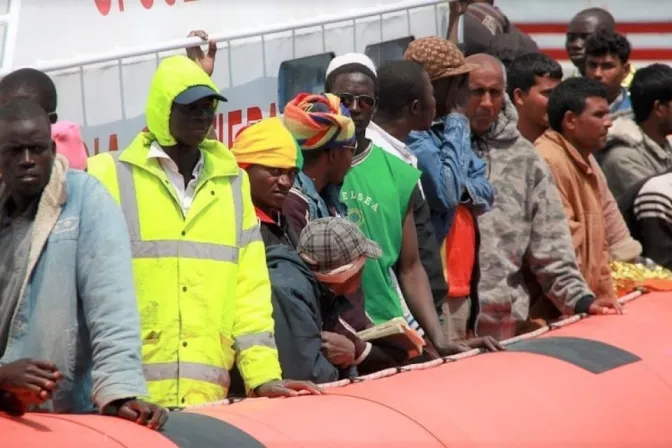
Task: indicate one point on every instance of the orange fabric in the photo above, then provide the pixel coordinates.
(651, 285)
(263, 217)
(578, 182)
(657, 284)
(459, 253)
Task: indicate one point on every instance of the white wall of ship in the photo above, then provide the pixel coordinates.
(109, 98)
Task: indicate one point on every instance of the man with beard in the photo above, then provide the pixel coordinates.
(530, 81)
(578, 113)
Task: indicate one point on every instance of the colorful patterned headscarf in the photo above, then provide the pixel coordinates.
(268, 143)
(319, 122)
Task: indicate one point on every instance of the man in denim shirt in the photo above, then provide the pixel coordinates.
(326, 135)
(453, 178)
(69, 325)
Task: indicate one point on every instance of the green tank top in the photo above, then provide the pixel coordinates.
(376, 192)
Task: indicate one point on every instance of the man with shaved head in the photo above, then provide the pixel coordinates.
(526, 253)
(581, 27)
(584, 25)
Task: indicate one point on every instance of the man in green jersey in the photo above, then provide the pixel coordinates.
(377, 195)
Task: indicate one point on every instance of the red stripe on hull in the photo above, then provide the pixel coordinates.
(626, 27)
(638, 54)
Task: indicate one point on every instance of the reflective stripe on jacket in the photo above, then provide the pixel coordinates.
(202, 283)
(201, 280)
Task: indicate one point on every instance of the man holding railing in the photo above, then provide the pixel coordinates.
(198, 258)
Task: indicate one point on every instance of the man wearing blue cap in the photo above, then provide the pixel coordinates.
(198, 258)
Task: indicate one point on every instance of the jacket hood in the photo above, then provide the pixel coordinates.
(173, 76)
(279, 254)
(625, 132)
(505, 128)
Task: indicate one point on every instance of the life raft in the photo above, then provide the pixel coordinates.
(586, 381)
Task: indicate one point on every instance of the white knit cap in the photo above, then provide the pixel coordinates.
(351, 58)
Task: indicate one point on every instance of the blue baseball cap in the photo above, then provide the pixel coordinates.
(196, 93)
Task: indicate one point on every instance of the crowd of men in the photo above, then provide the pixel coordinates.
(476, 197)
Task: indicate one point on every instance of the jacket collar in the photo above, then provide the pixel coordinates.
(661, 153)
(628, 133)
(54, 197)
(217, 159)
(569, 149)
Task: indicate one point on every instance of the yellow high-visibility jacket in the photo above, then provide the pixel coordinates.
(202, 282)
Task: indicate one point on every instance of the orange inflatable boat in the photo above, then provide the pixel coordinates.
(599, 381)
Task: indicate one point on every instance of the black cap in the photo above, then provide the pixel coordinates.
(195, 93)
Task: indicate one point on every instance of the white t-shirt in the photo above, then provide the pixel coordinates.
(393, 146)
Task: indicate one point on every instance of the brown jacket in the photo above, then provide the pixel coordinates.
(578, 182)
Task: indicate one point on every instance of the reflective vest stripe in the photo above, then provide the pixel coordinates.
(246, 341)
(250, 236)
(187, 370)
(237, 192)
(184, 249)
(194, 250)
(177, 248)
(127, 196)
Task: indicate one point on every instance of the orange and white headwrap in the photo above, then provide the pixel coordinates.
(319, 122)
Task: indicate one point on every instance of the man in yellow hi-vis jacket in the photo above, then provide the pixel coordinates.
(198, 259)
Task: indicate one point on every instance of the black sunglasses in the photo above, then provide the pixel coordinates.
(364, 101)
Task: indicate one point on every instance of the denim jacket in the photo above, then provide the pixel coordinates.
(78, 308)
(621, 103)
(452, 174)
(317, 208)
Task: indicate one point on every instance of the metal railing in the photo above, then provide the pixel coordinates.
(80, 64)
(181, 43)
(11, 31)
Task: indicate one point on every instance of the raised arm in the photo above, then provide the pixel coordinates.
(443, 181)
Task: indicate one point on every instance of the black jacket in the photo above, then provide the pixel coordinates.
(298, 318)
(430, 254)
(278, 233)
(298, 323)
(654, 233)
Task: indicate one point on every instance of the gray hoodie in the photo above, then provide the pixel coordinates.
(526, 248)
(631, 156)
